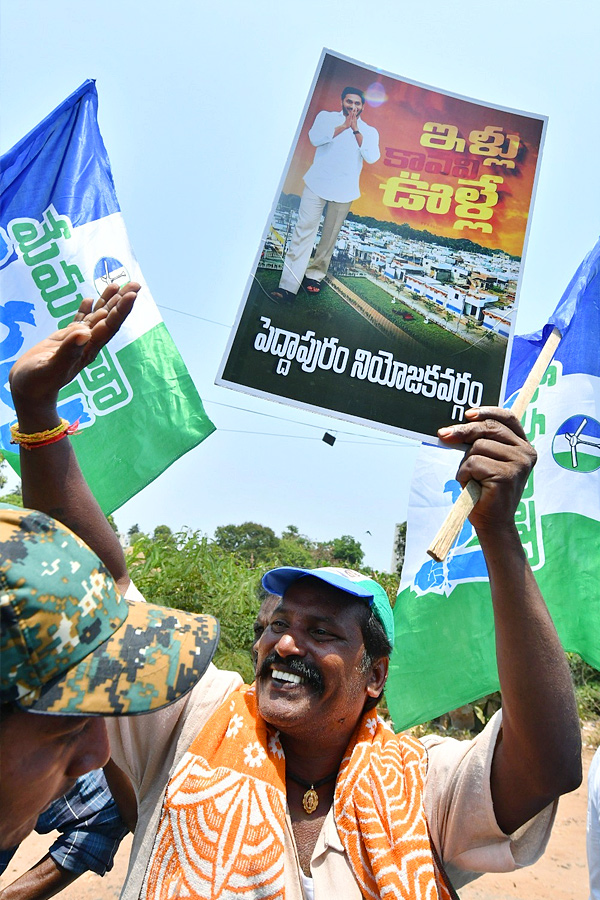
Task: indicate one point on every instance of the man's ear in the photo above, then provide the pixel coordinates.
(378, 676)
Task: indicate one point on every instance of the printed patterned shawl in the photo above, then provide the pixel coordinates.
(221, 833)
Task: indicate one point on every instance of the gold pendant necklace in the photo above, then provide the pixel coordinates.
(310, 800)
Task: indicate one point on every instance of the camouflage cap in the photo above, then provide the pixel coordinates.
(71, 645)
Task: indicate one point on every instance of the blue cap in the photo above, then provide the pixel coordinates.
(277, 581)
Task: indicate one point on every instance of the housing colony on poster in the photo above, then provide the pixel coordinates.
(386, 284)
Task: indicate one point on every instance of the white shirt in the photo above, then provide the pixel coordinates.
(308, 886)
(593, 827)
(335, 172)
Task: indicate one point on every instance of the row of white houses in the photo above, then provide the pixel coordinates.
(430, 271)
(461, 302)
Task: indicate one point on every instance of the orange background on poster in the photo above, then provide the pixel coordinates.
(399, 121)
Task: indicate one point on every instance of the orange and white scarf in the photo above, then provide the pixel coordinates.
(221, 834)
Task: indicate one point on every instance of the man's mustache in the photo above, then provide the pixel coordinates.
(307, 670)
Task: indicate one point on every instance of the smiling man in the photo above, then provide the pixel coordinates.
(293, 787)
(326, 689)
(343, 141)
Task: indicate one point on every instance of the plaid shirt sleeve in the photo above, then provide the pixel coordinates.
(5, 858)
(90, 825)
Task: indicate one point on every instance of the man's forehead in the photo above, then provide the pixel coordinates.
(47, 724)
(353, 97)
(312, 592)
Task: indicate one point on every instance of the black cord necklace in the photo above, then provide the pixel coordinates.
(310, 800)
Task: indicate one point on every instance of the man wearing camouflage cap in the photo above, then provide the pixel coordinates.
(293, 787)
(74, 651)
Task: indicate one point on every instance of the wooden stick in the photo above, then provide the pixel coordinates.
(469, 496)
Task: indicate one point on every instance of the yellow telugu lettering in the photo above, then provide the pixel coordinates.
(442, 137)
(407, 191)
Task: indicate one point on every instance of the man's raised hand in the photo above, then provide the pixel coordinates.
(40, 373)
(500, 458)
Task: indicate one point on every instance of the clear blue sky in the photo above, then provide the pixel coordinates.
(198, 106)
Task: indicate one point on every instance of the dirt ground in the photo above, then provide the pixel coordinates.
(561, 873)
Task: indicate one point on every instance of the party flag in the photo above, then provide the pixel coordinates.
(62, 238)
(444, 655)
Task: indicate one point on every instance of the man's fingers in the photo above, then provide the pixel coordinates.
(113, 314)
(107, 294)
(111, 296)
(487, 421)
(498, 457)
(497, 449)
(488, 463)
(122, 303)
(497, 414)
(119, 312)
(75, 334)
(85, 308)
(131, 289)
(65, 353)
(108, 314)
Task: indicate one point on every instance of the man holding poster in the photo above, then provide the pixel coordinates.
(293, 786)
(343, 141)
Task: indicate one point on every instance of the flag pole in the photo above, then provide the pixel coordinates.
(470, 494)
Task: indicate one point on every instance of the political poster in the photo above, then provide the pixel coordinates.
(63, 238)
(386, 283)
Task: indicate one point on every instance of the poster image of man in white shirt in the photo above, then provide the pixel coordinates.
(342, 141)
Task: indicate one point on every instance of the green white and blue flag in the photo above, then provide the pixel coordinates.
(444, 655)
(62, 238)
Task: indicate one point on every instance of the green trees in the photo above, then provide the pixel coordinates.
(399, 547)
(292, 552)
(134, 533)
(112, 523)
(249, 541)
(347, 551)
(163, 533)
(15, 497)
(258, 545)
